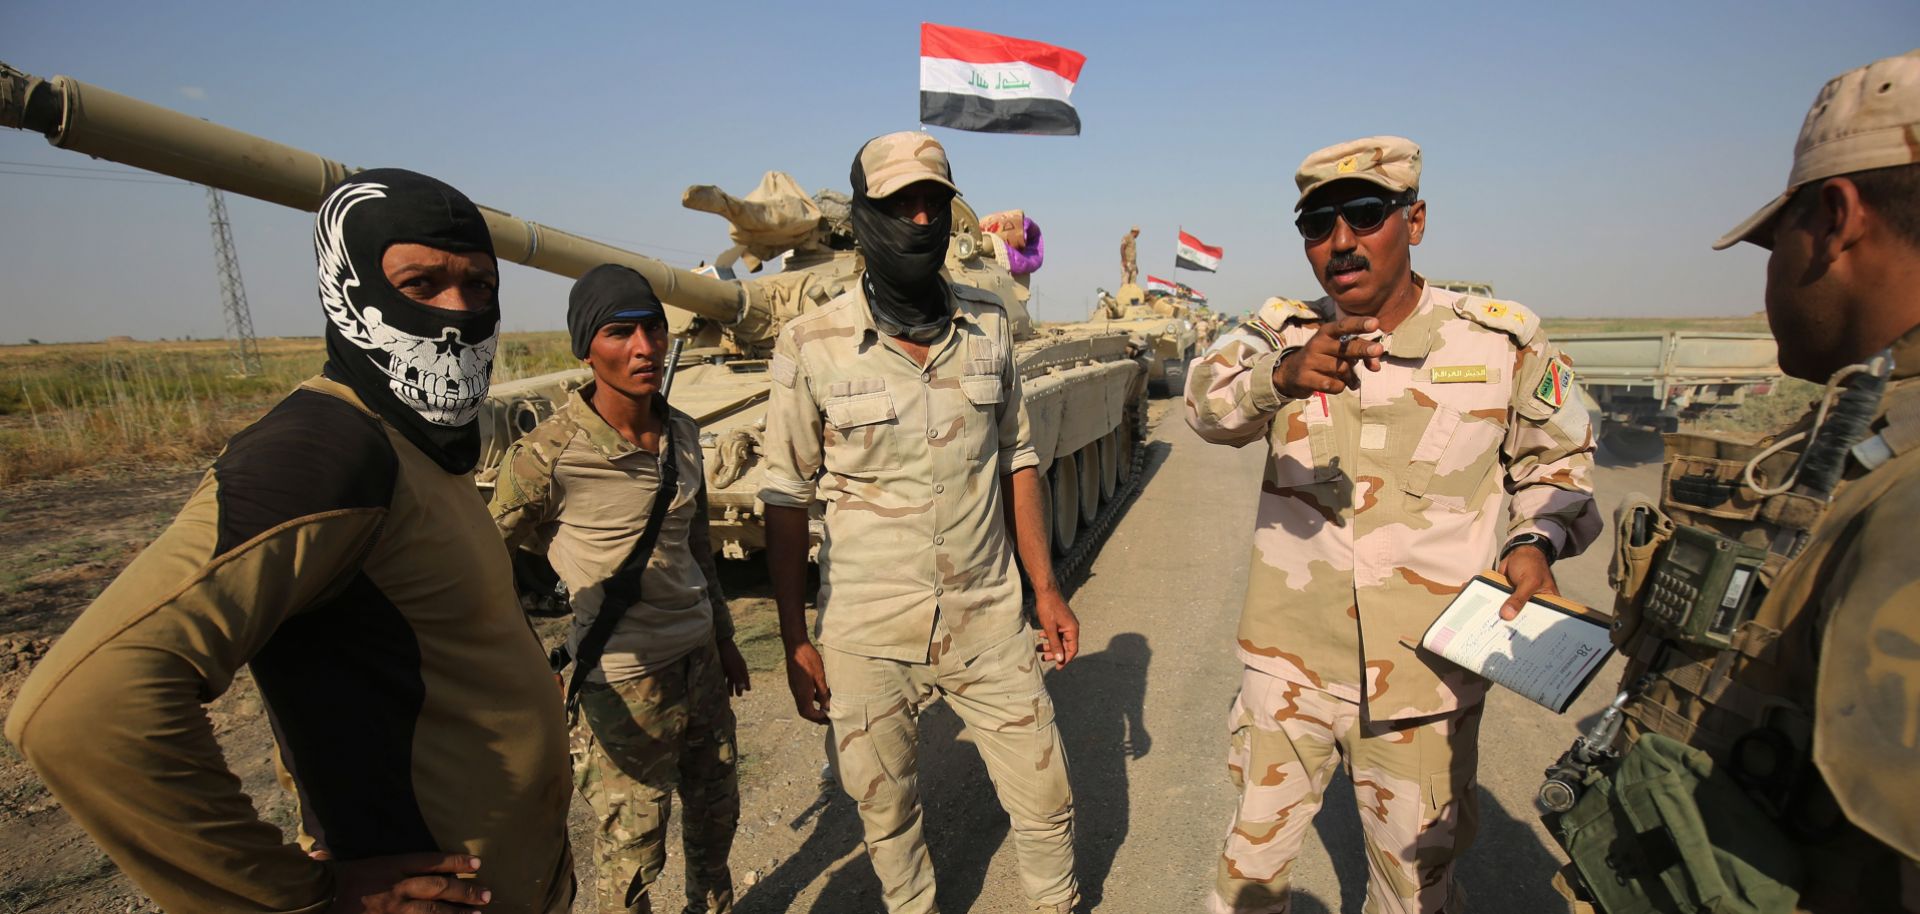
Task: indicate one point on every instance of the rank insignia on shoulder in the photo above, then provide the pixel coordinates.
(1460, 374)
(1556, 383)
(1259, 328)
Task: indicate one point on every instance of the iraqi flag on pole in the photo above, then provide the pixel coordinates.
(1193, 254)
(1156, 284)
(995, 84)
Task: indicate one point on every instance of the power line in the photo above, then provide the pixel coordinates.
(127, 180)
(111, 171)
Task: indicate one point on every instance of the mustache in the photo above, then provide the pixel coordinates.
(1352, 260)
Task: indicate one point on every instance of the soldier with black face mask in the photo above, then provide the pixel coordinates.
(337, 549)
(898, 404)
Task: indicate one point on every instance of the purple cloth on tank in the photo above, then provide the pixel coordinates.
(1023, 260)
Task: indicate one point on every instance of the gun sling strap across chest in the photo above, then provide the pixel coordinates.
(622, 588)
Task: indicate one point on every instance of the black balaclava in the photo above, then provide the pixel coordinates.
(603, 295)
(422, 369)
(902, 279)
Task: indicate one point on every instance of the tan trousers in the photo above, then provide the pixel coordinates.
(1001, 698)
(1413, 781)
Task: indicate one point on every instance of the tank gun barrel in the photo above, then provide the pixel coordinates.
(107, 125)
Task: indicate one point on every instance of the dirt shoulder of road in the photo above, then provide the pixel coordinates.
(61, 542)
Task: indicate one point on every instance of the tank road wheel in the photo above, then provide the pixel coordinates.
(1109, 448)
(1124, 445)
(1088, 461)
(1065, 502)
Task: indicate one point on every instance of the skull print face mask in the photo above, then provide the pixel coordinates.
(423, 369)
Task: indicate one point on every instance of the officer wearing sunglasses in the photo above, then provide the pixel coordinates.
(1381, 499)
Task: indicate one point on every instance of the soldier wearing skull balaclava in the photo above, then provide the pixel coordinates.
(337, 550)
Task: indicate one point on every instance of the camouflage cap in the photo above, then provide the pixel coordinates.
(1862, 119)
(1392, 162)
(899, 159)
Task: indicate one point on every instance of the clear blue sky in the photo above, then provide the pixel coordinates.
(1581, 157)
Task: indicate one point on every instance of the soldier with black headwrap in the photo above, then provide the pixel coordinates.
(338, 550)
(898, 404)
(583, 488)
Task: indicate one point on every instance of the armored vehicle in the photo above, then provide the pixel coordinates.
(1083, 390)
(1160, 327)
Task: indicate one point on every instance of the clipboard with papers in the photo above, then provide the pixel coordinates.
(1548, 653)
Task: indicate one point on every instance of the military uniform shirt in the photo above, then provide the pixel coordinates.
(578, 491)
(1379, 503)
(908, 459)
(372, 600)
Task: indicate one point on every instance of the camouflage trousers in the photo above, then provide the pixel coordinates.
(1413, 781)
(1003, 701)
(638, 741)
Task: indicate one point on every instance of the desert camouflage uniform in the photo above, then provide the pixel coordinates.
(1129, 265)
(918, 586)
(654, 716)
(1378, 504)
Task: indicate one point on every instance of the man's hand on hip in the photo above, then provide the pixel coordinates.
(1527, 569)
(1059, 629)
(1326, 363)
(424, 883)
(807, 677)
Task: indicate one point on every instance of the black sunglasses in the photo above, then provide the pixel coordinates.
(1363, 214)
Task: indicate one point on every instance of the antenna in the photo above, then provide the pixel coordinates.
(233, 295)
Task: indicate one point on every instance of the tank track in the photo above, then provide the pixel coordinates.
(1068, 569)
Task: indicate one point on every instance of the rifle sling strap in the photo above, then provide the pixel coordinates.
(622, 589)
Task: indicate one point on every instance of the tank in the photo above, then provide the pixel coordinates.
(1161, 328)
(1084, 388)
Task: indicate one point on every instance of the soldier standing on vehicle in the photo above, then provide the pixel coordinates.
(1768, 602)
(1129, 261)
(899, 404)
(1380, 501)
(582, 488)
(337, 550)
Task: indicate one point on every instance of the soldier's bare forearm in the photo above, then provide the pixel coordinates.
(1029, 529)
(787, 568)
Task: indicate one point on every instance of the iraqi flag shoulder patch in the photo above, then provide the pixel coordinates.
(991, 83)
(1556, 384)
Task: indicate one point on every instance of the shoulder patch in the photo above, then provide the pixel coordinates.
(1556, 383)
(784, 369)
(1278, 312)
(1512, 318)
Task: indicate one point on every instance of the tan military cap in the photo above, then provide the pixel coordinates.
(1392, 162)
(1862, 119)
(899, 159)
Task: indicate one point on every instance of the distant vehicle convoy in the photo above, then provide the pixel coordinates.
(1651, 381)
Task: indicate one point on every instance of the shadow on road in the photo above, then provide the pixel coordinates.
(1506, 871)
(1098, 700)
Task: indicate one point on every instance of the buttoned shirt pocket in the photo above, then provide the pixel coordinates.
(864, 427)
(1452, 464)
(1302, 445)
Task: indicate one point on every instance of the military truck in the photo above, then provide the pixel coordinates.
(1639, 385)
(1083, 389)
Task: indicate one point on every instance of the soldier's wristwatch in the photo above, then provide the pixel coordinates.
(1528, 539)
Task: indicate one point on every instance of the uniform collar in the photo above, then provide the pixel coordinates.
(1413, 339)
(1906, 354)
(863, 312)
(604, 438)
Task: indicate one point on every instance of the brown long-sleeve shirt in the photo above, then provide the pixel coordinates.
(370, 595)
